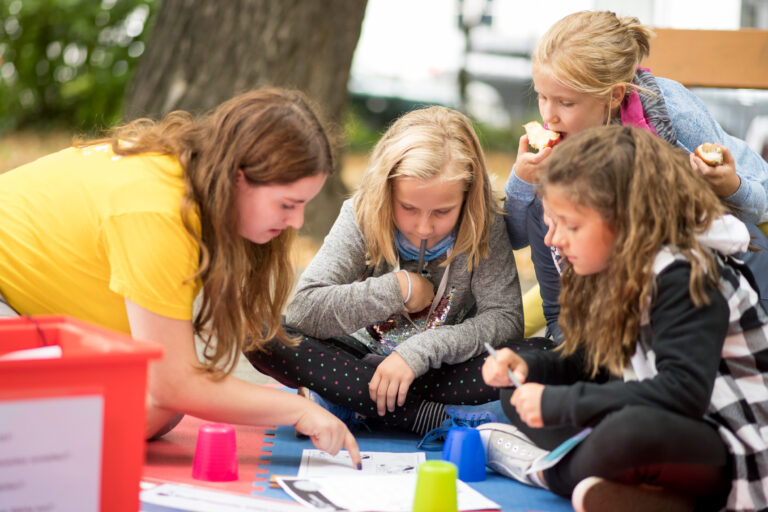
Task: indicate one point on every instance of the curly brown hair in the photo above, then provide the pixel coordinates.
(647, 192)
(274, 137)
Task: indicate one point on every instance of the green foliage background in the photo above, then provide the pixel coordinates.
(66, 63)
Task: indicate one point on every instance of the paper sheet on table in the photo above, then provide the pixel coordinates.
(316, 463)
(389, 493)
(176, 497)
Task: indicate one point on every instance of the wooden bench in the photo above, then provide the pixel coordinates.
(711, 58)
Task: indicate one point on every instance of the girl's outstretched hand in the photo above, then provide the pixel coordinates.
(327, 432)
(495, 369)
(527, 402)
(529, 166)
(390, 382)
(722, 178)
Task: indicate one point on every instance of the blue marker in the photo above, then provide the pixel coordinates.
(511, 375)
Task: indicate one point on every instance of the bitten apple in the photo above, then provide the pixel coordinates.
(539, 137)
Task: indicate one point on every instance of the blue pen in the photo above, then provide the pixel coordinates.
(511, 375)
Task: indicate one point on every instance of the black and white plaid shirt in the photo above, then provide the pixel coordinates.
(739, 403)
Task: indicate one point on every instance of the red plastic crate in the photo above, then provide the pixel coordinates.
(95, 361)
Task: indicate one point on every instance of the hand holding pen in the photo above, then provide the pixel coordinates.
(488, 370)
(526, 399)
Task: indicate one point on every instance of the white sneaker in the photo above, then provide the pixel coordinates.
(510, 452)
(595, 494)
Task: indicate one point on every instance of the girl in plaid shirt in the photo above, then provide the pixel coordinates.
(665, 355)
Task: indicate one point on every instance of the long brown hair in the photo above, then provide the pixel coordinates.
(274, 137)
(647, 192)
(424, 144)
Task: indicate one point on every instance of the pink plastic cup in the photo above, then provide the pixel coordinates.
(215, 454)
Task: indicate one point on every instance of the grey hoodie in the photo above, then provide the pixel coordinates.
(478, 306)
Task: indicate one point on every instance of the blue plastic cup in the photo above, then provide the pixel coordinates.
(464, 448)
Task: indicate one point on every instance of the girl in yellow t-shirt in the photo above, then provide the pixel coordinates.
(125, 231)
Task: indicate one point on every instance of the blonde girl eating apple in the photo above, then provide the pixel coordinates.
(586, 73)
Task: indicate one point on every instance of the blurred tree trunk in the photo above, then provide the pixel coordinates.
(203, 52)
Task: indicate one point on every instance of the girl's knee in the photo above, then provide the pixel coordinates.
(630, 431)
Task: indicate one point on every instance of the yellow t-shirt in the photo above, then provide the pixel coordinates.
(83, 229)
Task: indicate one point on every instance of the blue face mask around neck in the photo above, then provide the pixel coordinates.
(408, 251)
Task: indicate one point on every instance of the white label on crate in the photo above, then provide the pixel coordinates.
(50, 454)
(49, 352)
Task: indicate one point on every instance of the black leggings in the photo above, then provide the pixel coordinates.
(338, 373)
(639, 445)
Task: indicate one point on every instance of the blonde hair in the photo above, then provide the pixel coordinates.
(645, 190)
(425, 144)
(273, 136)
(591, 52)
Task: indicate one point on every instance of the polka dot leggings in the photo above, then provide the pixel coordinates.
(342, 378)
